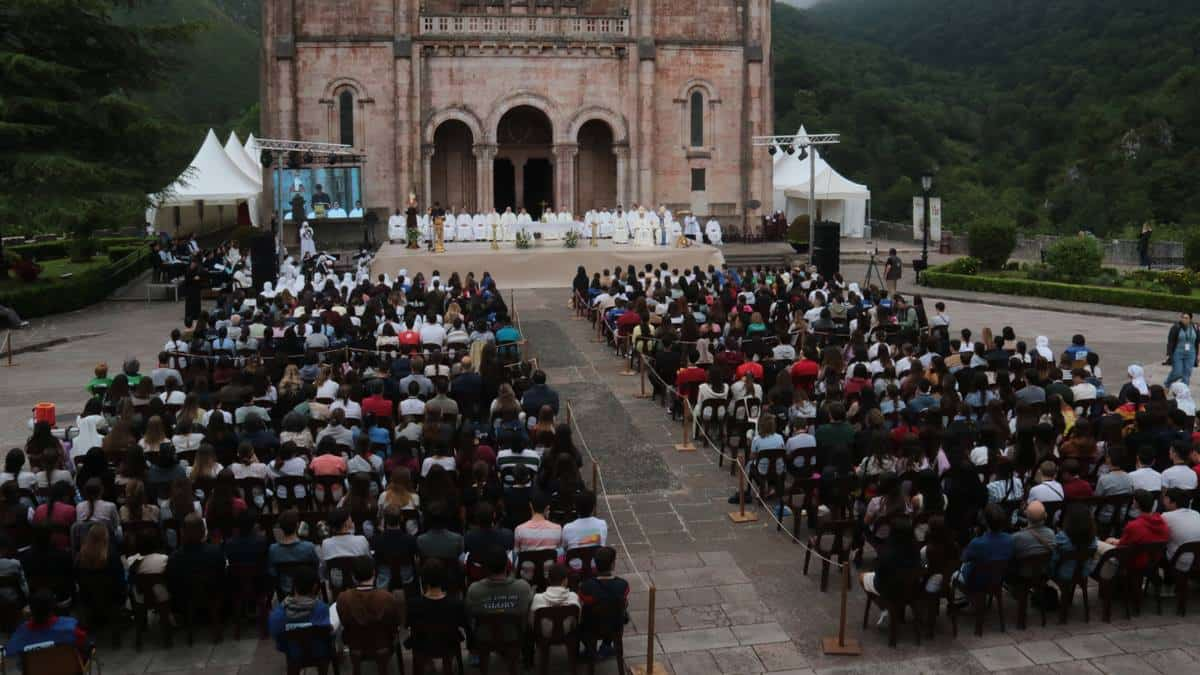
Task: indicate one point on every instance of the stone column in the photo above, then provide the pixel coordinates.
(622, 153)
(564, 172)
(518, 161)
(485, 155)
(427, 174)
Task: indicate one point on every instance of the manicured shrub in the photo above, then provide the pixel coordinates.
(1074, 259)
(964, 265)
(992, 241)
(937, 277)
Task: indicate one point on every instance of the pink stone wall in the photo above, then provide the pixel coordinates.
(696, 44)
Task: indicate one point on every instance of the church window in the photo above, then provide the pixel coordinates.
(698, 180)
(346, 117)
(697, 119)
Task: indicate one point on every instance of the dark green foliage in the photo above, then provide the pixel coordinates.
(1057, 116)
(1074, 259)
(80, 151)
(52, 296)
(992, 241)
(1191, 252)
(798, 230)
(965, 265)
(937, 277)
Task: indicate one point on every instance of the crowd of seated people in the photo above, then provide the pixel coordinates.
(362, 483)
(957, 458)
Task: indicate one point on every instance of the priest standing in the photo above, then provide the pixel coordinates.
(691, 228)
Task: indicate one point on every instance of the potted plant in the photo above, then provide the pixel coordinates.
(797, 234)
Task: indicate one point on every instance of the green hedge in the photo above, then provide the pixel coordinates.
(53, 296)
(60, 248)
(1124, 297)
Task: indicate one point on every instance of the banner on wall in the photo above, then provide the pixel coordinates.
(935, 218)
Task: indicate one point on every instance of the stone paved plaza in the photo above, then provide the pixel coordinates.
(730, 598)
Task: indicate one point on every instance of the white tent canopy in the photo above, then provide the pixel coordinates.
(237, 152)
(251, 148)
(840, 199)
(207, 193)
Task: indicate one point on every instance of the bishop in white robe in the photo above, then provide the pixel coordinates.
(479, 227)
(691, 228)
(396, 229)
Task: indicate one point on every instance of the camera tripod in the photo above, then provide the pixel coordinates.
(873, 272)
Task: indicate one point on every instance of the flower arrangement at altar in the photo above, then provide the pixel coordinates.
(523, 240)
(571, 239)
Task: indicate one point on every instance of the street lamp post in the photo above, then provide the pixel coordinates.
(926, 186)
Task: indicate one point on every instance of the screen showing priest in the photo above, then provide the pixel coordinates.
(327, 191)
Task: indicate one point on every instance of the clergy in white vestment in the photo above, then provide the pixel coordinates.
(479, 226)
(493, 218)
(424, 221)
(464, 233)
(508, 225)
(691, 227)
(566, 219)
(524, 222)
(620, 228)
(396, 228)
(308, 246)
(643, 228)
(357, 211)
(336, 212)
(605, 219)
(712, 230)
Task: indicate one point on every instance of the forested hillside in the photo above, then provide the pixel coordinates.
(1061, 115)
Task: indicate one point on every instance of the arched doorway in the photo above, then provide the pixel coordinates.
(453, 168)
(596, 175)
(523, 172)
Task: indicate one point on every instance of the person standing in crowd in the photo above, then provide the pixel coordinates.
(893, 269)
(1183, 341)
(1143, 245)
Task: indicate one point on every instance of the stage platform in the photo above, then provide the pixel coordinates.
(545, 265)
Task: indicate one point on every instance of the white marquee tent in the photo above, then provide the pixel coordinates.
(840, 199)
(207, 194)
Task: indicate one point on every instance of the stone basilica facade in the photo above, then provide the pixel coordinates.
(574, 104)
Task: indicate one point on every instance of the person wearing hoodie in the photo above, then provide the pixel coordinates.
(301, 607)
(1147, 528)
(363, 605)
(557, 595)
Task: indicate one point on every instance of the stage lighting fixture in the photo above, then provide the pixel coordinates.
(789, 149)
(308, 158)
(266, 157)
(294, 159)
(803, 153)
(333, 159)
(771, 151)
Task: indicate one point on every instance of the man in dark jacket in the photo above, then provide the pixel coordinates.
(538, 395)
(1182, 343)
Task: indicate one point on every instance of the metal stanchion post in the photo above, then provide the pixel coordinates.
(595, 476)
(686, 445)
(841, 645)
(740, 516)
(650, 668)
(8, 348)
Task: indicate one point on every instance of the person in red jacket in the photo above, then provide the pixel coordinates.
(753, 367)
(1074, 487)
(1147, 528)
(805, 371)
(688, 380)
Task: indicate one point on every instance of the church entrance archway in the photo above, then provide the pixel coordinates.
(453, 168)
(523, 169)
(596, 172)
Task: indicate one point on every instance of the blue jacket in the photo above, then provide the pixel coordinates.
(62, 630)
(285, 616)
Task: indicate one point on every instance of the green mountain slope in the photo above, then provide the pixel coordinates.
(219, 72)
(1063, 115)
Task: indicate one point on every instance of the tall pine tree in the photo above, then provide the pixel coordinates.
(78, 151)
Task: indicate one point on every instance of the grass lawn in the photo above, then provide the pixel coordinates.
(52, 270)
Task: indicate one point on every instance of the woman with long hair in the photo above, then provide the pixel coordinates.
(136, 508)
(223, 507)
(1078, 533)
(59, 511)
(206, 465)
(180, 502)
(155, 435)
(399, 492)
(98, 553)
(94, 507)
